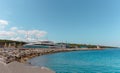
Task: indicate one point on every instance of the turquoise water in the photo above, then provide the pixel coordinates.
(96, 61)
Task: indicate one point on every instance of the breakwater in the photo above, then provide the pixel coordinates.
(22, 55)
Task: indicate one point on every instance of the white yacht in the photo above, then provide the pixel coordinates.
(41, 44)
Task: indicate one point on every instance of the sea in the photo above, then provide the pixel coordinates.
(92, 61)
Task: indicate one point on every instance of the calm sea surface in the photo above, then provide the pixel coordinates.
(96, 61)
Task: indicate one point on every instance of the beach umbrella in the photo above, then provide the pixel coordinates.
(16, 67)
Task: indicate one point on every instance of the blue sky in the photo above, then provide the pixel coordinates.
(77, 21)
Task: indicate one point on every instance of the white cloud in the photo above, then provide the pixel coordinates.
(30, 39)
(36, 33)
(21, 31)
(17, 34)
(31, 35)
(27, 35)
(13, 28)
(7, 33)
(15, 38)
(41, 34)
(3, 22)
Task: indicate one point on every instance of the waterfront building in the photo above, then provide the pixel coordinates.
(98, 46)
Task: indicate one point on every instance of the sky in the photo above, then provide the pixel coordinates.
(73, 21)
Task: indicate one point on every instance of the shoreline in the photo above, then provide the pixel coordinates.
(23, 55)
(40, 52)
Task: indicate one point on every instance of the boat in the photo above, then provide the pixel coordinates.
(41, 44)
